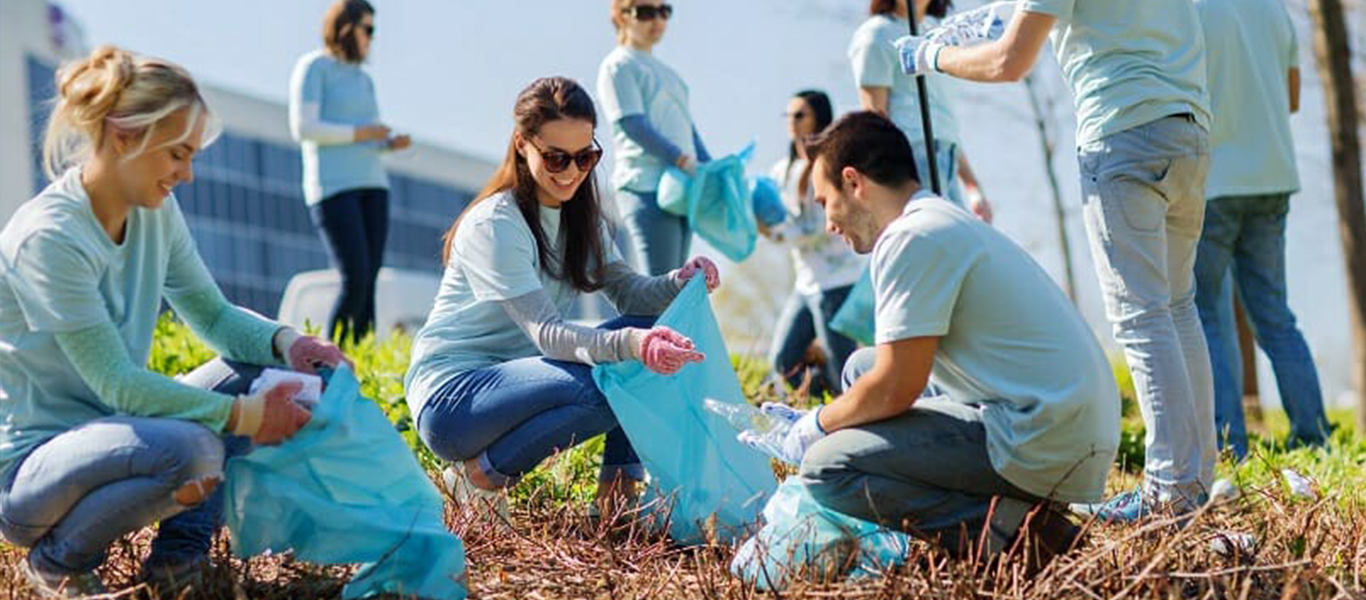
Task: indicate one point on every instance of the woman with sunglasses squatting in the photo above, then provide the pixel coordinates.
(334, 116)
(646, 104)
(499, 379)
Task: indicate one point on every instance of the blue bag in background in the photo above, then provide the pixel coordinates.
(768, 201)
(717, 202)
(347, 489)
(702, 478)
(855, 318)
(803, 539)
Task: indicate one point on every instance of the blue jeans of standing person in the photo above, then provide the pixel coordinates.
(1144, 203)
(806, 317)
(926, 471)
(355, 225)
(1245, 236)
(512, 416)
(659, 241)
(77, 493)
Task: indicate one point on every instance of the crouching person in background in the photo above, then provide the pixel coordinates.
(92, 445)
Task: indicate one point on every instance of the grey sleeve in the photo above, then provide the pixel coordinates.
(636, 294)
(558, 339)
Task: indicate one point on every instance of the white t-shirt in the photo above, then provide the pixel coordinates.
(821, 261)
(1009, 340)
(875, 63)
(493, 258)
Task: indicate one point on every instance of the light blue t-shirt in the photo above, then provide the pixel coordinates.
(1129, 62)
(874, 58)
(631, 82)
(345, 95)
(1009, 340)
(61, 273)
(1251, 47)
(493, 258)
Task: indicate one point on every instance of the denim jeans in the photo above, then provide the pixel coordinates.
(805, 318)
(73, 496)
(354, 224)
(659, 241)
(1144, 204)
(1245, 235)
(513, 415)
(925, 471)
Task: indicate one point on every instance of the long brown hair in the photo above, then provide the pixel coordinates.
(937, 8)
(339, 28)
(545, 100)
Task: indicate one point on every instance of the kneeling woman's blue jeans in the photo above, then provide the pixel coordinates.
(516, 414)
(73, 496)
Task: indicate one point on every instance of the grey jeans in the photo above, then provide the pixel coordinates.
(926, 472)
(1144, 204)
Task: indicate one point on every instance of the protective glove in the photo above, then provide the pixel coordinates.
(983, 24)
(306, 353)
(918, 54)
(665, 351)
(786, 444)
(270, 416)
(703, 264)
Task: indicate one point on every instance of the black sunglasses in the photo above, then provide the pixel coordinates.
(795, 116)
(556, 160)
(650, 13)
(368, 29)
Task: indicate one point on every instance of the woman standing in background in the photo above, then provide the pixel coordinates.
(335, 118)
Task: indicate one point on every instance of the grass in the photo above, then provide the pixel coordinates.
(1306, 547)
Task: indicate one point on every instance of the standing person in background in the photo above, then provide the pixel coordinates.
(884, 89)
(93, 446)
(826, 267)
(335, 118)
(1137, 71)
(1254, 85)
(646, 103)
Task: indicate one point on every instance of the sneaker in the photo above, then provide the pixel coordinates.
(52, 585)
(1047, 533)
(170, 581)
(456, 483)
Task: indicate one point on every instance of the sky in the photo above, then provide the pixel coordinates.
(447, 72)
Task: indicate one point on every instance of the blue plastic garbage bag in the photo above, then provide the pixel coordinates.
(803, 539)
(346, 489)
(716, 201)
(768, 201)
(855, 318)
(699, 471)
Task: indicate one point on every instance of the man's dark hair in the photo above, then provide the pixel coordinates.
(868, 142)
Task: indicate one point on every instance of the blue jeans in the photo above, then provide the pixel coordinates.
(73, 496)
(926, 471)
(1247, 235)
(659, 241)
(513, 415)
(805, 318)
(1144, 204)
(355, 225)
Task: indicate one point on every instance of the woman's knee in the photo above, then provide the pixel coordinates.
(191, 459)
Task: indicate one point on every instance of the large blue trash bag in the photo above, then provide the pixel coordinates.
(716, 201)
(346, 489)
(803, 539)
(699, 471)
(856, 316)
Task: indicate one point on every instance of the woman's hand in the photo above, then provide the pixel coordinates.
(269, 416)
(703, 265)
(372, 133)
(400, 142)
(306, 353)
(665, 351)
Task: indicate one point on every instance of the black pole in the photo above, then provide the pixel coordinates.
(925, 124)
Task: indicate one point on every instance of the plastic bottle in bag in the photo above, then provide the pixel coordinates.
(745, 417)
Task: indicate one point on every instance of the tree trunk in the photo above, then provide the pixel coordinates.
(1060, 215)
(1334, 58)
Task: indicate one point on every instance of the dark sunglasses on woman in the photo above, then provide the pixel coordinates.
(650, 13)
(556, 160)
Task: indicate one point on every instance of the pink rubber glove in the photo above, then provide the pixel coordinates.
(665, 351)
(306, 353)
(271, 416)
(706, 266)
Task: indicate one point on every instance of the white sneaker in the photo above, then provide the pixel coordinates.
(456, 483)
